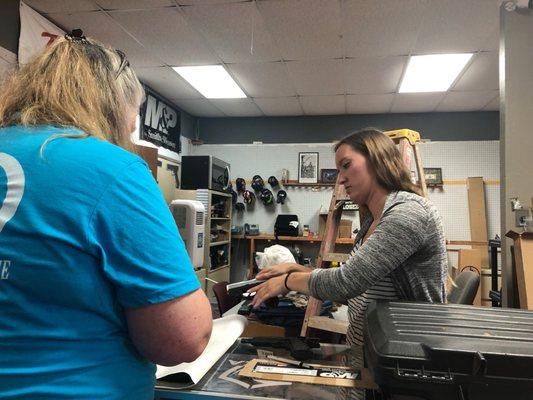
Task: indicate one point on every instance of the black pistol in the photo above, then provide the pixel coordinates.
(300, 348)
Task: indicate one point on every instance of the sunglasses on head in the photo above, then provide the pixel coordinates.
(123, 62)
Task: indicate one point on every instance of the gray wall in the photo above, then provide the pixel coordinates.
(317, 129)
(9, 25)
(516, 144)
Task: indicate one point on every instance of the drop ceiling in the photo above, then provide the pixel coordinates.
(298, 57)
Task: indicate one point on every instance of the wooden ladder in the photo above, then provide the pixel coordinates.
(406, 139)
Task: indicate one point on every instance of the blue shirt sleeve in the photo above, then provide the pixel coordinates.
(134, 234)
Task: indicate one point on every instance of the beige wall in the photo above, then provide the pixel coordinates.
(516, 143)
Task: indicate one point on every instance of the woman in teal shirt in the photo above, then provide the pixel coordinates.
(96, 285)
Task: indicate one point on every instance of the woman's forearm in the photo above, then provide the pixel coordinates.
(298, 268)
(299, 281)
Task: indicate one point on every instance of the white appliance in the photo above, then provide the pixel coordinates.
(189, 217)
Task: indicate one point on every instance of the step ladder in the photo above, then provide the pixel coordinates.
(407, 141)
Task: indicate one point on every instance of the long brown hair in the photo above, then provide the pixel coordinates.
(74, 83)
(391, 172)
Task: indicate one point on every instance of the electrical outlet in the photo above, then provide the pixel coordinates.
(521, 217)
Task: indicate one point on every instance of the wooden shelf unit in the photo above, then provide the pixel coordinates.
(318, 184)
(268, 238)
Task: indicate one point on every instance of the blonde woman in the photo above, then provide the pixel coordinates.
(399, 252)
(96, 285)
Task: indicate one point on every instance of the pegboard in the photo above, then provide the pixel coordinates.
(269, 159)
(458, 160)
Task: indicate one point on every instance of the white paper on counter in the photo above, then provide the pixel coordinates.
(225, 332)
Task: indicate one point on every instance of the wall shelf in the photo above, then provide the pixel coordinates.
(219, 243)
(318, 184)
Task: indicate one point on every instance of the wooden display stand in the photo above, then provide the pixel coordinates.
(523, 253)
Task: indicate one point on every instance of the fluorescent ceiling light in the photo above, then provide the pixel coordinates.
(432, 73)
(212, 81)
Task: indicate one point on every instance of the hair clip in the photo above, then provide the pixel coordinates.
(76, 35)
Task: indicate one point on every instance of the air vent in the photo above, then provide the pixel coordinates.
(199, 218)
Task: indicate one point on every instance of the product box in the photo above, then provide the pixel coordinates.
(345, 226)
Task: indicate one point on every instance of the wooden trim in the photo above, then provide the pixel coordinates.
(328, 324)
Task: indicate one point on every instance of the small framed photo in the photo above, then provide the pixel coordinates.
(308, 167)
(328, 175)
(433, 176)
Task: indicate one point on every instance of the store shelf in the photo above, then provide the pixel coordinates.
(218, 243)
(318, 184)
(291, 238)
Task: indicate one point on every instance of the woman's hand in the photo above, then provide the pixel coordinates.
(266, 290)
(277, 270)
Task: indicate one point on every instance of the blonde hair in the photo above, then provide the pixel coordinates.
(74, 83)
(391, 172)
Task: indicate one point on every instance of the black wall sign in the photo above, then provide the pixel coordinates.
(160, 123)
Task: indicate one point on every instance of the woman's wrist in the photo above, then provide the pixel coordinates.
(285, 282)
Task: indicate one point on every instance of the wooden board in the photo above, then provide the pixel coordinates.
(148, 154)
(258, 329)
(328, 324)
(478, 216)
(365, 381)
(471, 259)
(523, 253)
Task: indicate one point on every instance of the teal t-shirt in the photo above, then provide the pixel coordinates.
(84, 232)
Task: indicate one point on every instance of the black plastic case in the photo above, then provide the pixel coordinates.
(448, 351)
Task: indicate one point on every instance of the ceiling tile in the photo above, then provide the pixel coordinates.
(304, 29)
(133, 4)
(166, 33)
(374, 75)
(482, 74)
(198, 107)
(197, 2)
(237, 107)
(494, 104)
(323, 105)
(319, 77)
(466, 101)
(379, 28)
(229, 28)
(4, 68)
(455, 26)
(61, 6)
(415, 102)
(100, 26)
(278, 106)
(167, 83)
(369, 103)
(263, 79)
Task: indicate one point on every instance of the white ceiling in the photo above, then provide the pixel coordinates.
(297, 57)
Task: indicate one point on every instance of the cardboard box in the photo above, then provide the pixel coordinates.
(345, 227)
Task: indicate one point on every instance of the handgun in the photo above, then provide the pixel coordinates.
(238, 288)
(299, 347)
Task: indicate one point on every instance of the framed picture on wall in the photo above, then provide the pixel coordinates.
(328, 175)
(433, 176)
(308, 167)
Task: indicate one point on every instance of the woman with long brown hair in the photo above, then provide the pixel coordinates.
(96, 285)
(399, 252)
